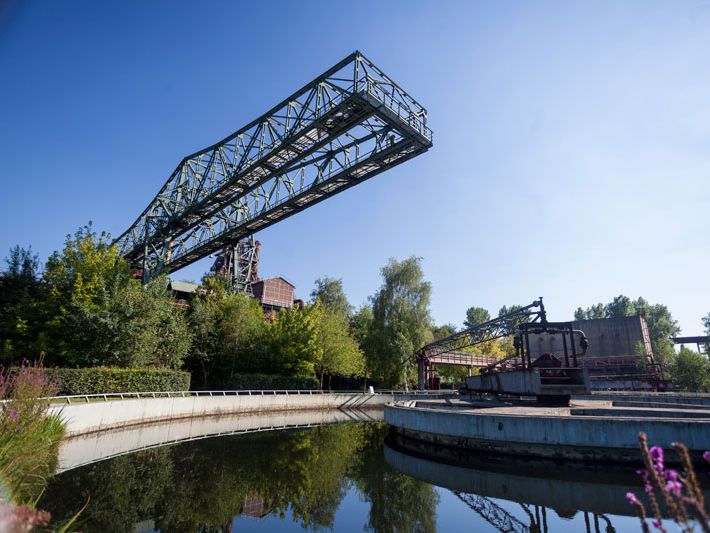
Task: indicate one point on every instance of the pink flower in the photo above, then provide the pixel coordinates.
(674, 487)
(670, 475)
(632, 499)
(656, 454)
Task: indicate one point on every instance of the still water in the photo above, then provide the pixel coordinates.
(346, 477)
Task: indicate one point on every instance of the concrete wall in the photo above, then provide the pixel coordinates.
(584, 437)
(82, 418)
(89, 448)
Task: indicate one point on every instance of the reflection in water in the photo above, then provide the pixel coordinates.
(337, 476)
(201, 485)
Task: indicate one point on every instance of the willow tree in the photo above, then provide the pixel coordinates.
(401, 322)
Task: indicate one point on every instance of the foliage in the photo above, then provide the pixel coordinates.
(398, 502)
(229, 332)
(475, 316)
(329, 291)
(232, 336)
(268, 382)
(401, 322)
(679, 491)
(292, 341)
(691, 371)
(87, 310)
(338, 352)
(202, 485)
(29, 437)
(133, 327)
(661, 325)
(21, 305)
(105, 380)
(443, 331)
(512, 324)
(361, 326)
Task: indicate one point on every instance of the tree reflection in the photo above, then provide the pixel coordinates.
(397, 501)
(202, 485)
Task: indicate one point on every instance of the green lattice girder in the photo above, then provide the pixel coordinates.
(344, 127)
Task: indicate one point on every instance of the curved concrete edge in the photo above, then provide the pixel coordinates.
(91, 417)
(566, 437)
(553, 493)
(98, 446)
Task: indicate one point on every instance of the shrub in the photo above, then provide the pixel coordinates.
(269, 382)
(29, 437)
(105, 380)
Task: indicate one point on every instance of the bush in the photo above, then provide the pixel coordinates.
(105, 380)
(269, 382)
(29, 437)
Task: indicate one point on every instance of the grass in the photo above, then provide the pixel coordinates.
(29, 442)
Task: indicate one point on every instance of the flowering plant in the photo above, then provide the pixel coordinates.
(679, 491)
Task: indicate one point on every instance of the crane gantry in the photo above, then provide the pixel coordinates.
(347, 125)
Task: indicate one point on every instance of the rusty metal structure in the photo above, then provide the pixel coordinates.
(545, 376)
(239, 263)
(702, 343)
(347, 125)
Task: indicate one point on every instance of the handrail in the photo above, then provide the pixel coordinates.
(222, 393)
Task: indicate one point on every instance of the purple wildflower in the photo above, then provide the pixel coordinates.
(13, 415)
(674, 487)
(656, 454)
(631, 497)
(706, 456)
(670, 475)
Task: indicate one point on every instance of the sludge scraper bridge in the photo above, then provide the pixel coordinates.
(346, 126)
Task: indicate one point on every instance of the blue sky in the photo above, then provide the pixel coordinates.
(571, 155)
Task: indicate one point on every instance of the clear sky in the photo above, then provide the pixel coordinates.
(571, 157)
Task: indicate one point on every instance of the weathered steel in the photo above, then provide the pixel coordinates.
(344, 127)
(555, 377)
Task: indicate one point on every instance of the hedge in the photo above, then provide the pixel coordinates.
(269, 382)
(104, 380)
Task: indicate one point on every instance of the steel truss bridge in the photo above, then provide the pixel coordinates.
(344, 127)
(449, 350)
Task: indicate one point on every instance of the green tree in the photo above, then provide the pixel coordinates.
(661, 325)
(591, 313)
(330, 293)
(706, 323)
(475, 316)
(401, 321)
(22, 297)
(130, 326)
(620, 306)
(361, 325)
(22, 265)
(513, 323)
(98, 314)
(691, 371)
(338, 352)
(443, 331)
(398, 502)
(292, 341)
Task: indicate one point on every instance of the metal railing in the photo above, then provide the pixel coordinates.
(116, 396)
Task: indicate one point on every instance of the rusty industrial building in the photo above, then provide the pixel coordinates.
(619, 357)
(275, 293)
